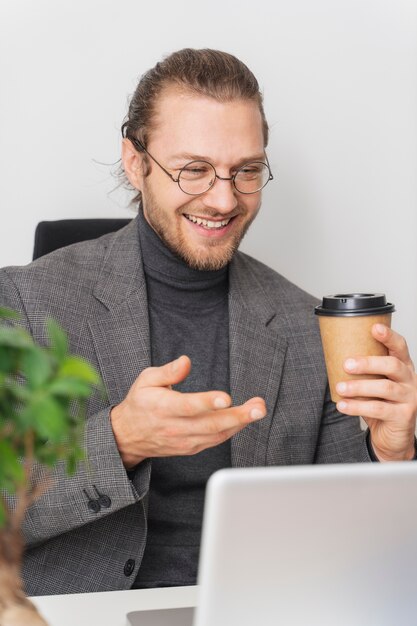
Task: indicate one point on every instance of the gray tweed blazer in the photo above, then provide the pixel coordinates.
(97, 291)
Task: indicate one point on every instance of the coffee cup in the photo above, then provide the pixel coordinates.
(345, 326)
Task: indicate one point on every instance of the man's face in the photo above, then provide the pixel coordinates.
(190, 127)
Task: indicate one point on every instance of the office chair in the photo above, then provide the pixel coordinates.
(51, 235)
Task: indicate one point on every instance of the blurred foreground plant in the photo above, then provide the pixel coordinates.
(43, 395)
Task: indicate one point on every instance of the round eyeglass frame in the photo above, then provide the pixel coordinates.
(141, 148)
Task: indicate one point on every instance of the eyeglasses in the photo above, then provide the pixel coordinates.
(197, 177)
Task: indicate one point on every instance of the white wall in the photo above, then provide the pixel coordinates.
(340, 85)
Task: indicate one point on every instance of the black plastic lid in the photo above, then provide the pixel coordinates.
(350, 304)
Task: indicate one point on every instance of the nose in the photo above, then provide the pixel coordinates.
(222, 196)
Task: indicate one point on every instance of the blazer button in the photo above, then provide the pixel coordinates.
(94, 505)
(129, 567)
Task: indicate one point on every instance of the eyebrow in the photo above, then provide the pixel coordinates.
(187, 157)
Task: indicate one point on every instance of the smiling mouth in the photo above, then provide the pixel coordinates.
(210, 224)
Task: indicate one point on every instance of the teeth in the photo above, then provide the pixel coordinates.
(207, 223)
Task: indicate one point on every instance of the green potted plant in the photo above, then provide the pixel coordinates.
(43, 394)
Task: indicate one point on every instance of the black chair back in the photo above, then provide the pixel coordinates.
(51, 235)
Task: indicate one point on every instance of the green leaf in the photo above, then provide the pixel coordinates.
(7, 454)
(58, 339)
(43, 390)
(8, 359)
(75, 456)
(46, 454)
(36, 367)
(9, 313)
(15, 337)
(10, 416)
(10, 466)
(47, 418)
(70, 388)
(77, 367)
(20, 392)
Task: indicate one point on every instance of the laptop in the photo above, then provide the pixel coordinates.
(162, 617)
(306, 545)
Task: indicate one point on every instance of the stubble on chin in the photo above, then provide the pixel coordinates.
(211, 256)
(207, 258)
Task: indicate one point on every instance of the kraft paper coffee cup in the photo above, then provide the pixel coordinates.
(345, 326)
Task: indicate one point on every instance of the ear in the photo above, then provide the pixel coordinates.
(132, 164)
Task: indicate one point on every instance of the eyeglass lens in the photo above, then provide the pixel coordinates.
(198, 177)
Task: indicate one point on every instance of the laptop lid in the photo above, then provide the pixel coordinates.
(311, 545)
(161, 617)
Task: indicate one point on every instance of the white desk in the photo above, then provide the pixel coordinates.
(109, 608)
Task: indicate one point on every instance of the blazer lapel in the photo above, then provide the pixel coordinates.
(121, 331)
(257, 356)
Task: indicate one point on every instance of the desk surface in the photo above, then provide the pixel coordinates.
(109, 608)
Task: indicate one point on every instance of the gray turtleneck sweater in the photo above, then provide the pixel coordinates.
(188, 314)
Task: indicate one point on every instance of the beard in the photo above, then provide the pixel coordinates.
(214, 254)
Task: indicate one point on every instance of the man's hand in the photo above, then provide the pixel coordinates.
(154, 420)
(388, 405)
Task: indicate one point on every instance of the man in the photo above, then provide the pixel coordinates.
(210, 358)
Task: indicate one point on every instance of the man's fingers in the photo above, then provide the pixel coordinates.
(368, 409)
(187, 405)
(207, 413)
(383, 389)
(396, 344)
(233, 418)
(388, 366)
(169, 374)
(240, 416)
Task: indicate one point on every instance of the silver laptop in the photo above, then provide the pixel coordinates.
(298, 546)
(162, 617)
